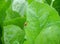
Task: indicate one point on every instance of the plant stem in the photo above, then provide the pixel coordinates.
(52, 3)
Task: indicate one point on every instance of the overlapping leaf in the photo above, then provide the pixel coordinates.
(41, 27)
(4, 5)
(15, 15)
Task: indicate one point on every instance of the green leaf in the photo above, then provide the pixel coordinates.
(2, 17)
(17, 21)
(29, 1)
(49, 35)
(11, 14)
(19, 6)
(38, 15)
(15, 18)
(16, 15)
(4, 4)
(41, 1)
(13, 34)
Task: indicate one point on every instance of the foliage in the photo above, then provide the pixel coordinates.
(29, 22)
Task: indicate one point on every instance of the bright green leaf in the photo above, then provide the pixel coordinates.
(49, 35)
(38, 15)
